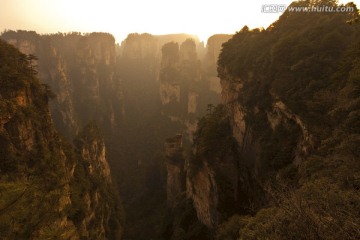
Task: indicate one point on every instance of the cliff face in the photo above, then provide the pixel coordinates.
(202, 189)
(142, 174)
(231, 181)
(97, 209)
(48, 190)
(81, 71)
(175, 169)
(213, 47)
(92, 149)
(138, 46)
(186, 87)
(277, 115)
(257, 152)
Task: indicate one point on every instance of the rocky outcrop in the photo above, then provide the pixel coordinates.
(91, 148)
(188, 80)
(139, 46)
(228, 176)
(64, 199)
(281, 113)
(230, 93)
(183, 91)
(213, 48)
(175, 169)
(145, 127)
(202, 189)
(170, 80)
(98, 210)
(196, 86)
(278, 114)
(80, 69)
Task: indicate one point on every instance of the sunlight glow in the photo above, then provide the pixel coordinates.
(121, 17)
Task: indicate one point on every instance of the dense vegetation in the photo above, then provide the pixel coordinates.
(309, 61)
(80, 69)
(44, 182)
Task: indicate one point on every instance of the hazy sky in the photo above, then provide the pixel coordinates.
(120, 17)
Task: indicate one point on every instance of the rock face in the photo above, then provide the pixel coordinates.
(145, 127)
(48, 190)
(139, 46)
(170, 75)
(213, 48)
(228, 182)
(175, 169)
(92, 149)
(187, 86)
(157, 104)
(277, 115)
(98, 201)
(263, 157)
(202, 189)
(80, 69)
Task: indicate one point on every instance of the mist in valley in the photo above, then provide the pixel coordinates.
(214, 134)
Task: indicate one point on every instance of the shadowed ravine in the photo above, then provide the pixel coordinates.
(254, 135)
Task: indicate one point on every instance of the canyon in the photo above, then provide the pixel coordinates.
(253, 136)
(137, 93)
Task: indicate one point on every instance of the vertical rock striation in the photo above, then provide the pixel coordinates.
(175, 169)
(81, 71)
(47, 191)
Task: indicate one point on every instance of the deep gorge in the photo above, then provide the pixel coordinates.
(253, 136)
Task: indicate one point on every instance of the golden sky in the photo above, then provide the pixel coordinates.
(121, 17)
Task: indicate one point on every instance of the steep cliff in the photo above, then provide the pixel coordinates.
(141, 65)
(213, 47)
(278, 159)
(185, 89)
(97, 211)
(175, 169)
(139, 146)
(81, 71)
(47, 189)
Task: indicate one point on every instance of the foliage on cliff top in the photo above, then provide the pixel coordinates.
(213, 137)
(295, 59)
(16, 69)
(37, 178)
(311, 62)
